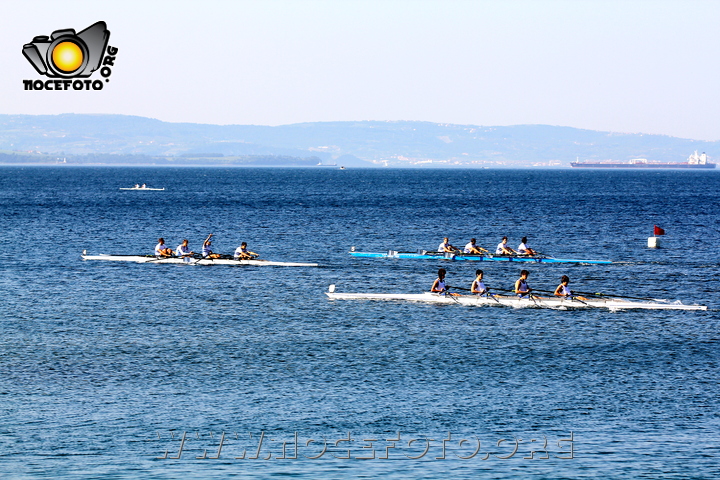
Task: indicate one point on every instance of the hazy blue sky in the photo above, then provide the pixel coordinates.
(623, 66)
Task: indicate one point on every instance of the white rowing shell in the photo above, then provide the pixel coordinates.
(515, 302)
(194, 261)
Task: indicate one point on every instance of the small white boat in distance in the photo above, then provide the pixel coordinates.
(557, 303)
(143, 187)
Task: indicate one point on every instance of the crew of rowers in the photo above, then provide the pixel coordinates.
(502, 248)
(521, 289)
(183, 250)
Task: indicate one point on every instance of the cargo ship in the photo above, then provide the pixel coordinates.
(694, 161)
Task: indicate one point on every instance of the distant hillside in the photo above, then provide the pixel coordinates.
(366, 143)
(140, 159)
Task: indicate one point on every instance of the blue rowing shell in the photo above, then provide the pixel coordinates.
(475, 258)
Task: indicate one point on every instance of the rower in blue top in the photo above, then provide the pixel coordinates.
(521, 287)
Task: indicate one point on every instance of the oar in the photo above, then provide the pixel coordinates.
(451, 295)
(576, 299)
(253, 256)
(572, 296)
(459, 288)
(161, 257)
(537, 299)
(492, 295)
(599, 294)
(503, 290)
(487, 290)
(529, 294)
(542, 291)
(488, 294)
(481, 253)
(551, 292)
(200, 257)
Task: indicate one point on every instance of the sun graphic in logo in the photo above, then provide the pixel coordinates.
(67, 56)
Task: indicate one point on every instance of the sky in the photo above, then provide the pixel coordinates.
(622, 66)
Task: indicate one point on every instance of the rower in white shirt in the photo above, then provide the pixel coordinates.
(472, 248)
(478, 287)
(439, 285)
(162, 250)
(503, 249)
(564, 291)
(183, 250)
(523, 249)
(446, 247)
(242, 252)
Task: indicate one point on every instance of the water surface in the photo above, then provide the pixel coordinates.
(105, 365)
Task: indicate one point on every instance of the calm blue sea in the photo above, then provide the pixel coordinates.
(109, 370)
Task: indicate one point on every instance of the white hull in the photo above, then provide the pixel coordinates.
(145, 189)
(508, 301)
(193, 261)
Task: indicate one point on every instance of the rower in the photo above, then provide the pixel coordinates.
(523, 249)
(137, 185)
(563, 291)
(478, 287)
(242, 253)
(183, 250)
(503, 249)
(162, 250)
(207, 251)
(472, 248)
(521, 286)
(143, 186)
(446, 247)
(439, 285)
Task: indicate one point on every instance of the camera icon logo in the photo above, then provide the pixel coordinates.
(66, 54)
